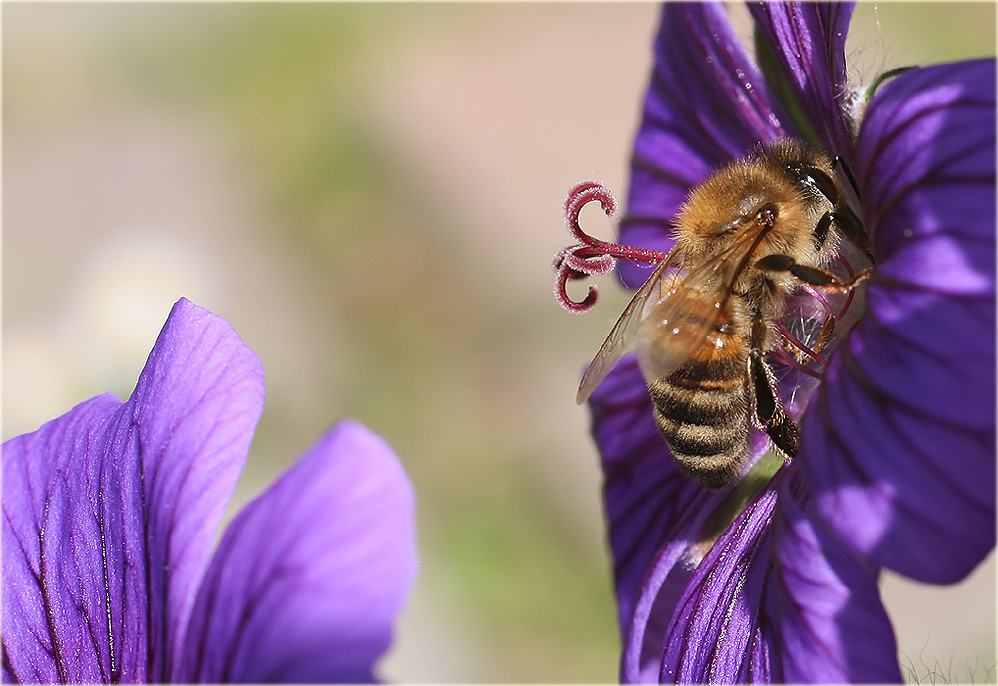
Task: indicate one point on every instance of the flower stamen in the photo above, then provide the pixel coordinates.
(591, 256)
(806, 352)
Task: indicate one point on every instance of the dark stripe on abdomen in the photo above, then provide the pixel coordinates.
(702, 411)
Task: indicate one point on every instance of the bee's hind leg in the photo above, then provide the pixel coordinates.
(767, 408)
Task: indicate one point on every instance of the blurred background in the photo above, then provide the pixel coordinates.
(371, 194)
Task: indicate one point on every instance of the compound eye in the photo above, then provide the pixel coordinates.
(816, 180)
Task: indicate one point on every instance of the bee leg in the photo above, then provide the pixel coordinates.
(809, 275)
(767, 407)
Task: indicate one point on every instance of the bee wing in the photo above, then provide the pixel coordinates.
(623, 334)
(687, 316)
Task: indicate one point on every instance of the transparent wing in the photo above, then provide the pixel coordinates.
(688, 314)
(623, 334)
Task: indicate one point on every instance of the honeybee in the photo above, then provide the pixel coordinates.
(705, 323)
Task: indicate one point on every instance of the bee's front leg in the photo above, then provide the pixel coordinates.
(810, 275)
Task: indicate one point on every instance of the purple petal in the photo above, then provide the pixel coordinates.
(717, 633)
(900, 444)
(109, 510)
(779, 599)
(74, 598)
(707, 104)
(309, 578)
(194, 410)
(808, 40)
(644, 493)
(824, 602)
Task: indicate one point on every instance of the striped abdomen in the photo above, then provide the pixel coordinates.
(703, 408)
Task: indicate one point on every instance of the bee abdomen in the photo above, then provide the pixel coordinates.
(702, 410)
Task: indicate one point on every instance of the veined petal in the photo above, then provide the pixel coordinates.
(717, 633)
(707, 104)
(808, 41)
(779, 599)
(824, 602)
(900, 444)
(308, 579)
(926, 171)
(194, 410)
(644, 494)
(110, 510)
(74, 599)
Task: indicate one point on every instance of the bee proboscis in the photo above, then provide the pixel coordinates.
(707, 320)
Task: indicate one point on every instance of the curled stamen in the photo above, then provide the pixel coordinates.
(562, 295)
(591, 256)
(597, 265)
(570, 266)
(581, 195)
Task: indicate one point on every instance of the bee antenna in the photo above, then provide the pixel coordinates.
(837, 161)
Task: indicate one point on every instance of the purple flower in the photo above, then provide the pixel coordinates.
(775, 578)
(111, 512)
